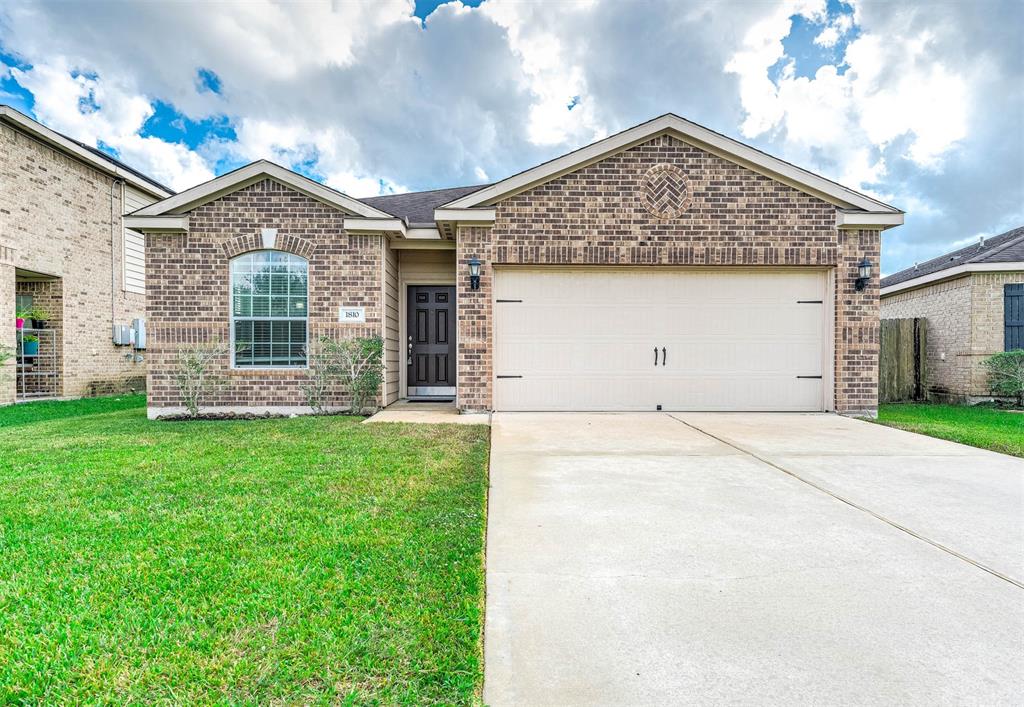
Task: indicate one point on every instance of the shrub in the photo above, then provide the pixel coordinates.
(1006, 374)
(322, 371)
(355, 364)
(195, 374)
(6, 354)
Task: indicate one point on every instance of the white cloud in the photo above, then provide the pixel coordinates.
(918, 103)
(96, 111)
(834, 31)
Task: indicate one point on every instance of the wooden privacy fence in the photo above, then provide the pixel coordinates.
(901, 363)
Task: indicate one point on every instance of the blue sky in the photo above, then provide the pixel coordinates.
(917, 103)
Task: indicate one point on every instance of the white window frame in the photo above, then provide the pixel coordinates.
(232, 317)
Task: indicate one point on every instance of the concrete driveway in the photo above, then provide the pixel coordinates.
(749, 558)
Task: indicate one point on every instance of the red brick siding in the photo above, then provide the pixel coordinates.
(857, 327)
(188, 286)
(475, 325)
(595, 216)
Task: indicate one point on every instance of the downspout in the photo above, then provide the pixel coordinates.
(113, 266)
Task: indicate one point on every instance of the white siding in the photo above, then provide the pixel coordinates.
(134, 243)
(391, 343)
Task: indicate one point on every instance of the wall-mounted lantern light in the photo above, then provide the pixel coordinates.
(474, 274)
(863, 274)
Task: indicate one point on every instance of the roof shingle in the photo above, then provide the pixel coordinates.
(418, 206)
(1005, 248)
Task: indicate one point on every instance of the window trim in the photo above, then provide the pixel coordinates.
(1012, 290)
(232, 318)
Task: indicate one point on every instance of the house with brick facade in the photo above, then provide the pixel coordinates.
(66, 255)
(667, 267)
(973, 302)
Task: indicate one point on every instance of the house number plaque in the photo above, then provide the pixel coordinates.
(352, 315)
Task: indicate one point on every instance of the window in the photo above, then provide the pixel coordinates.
(1013, 316)
(269, 310)
(23, 303)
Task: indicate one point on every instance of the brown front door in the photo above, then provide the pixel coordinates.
(431, 345)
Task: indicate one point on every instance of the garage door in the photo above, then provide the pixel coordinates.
(632, 339)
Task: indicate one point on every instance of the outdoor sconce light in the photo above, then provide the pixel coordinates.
(863, 274)
(474, 274)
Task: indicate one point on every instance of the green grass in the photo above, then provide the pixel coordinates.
(988, 428)
(308, 560)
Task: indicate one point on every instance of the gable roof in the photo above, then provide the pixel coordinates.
(86, 153)
(418, 207)
(250, 174)
(693, 134)
(1005, 248)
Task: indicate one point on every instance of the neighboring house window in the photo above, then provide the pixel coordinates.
(23, 303)
(269, 309)
(1013, 308)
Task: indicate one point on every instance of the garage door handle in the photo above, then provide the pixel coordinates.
(662, 355)
(655, 355)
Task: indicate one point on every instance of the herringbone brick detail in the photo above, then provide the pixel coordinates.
(665, 191)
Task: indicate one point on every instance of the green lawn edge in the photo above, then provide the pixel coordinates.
(977, 426)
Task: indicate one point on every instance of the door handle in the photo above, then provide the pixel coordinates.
(655, 355)
(662, 355)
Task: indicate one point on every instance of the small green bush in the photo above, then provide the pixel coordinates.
(1006, 374)
(355, 364)
(196, 373)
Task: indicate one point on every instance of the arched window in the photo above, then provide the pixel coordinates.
(269, 310)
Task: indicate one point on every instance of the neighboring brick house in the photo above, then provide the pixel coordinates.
(64, 249)
(973, 300)
(665, 267)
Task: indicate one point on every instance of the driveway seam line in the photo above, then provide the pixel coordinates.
(852, 504)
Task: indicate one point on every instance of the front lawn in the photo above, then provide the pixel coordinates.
(307, 560)
(984, 427)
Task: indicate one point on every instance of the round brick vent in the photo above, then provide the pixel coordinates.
(665, 191)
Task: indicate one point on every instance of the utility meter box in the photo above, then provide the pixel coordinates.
(139, 331)
(122, 335)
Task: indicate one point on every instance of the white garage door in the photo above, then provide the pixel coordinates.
(632, 339)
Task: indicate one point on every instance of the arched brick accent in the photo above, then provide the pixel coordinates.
(295, 245)
(254, 241)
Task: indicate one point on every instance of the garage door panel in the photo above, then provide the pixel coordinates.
(584, 339)
(612, 357)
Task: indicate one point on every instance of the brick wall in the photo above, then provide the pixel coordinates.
(857, 328)
(8, 336)
(188, 288)
(947, 308)
(596, 216)
(965, 326)
(475, 323)
(56, 213)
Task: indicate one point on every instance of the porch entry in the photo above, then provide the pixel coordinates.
(431, 342)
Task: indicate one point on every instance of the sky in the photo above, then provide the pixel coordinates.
(918, 103)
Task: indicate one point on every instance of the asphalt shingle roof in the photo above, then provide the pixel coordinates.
(418, 206)
(1005, 248)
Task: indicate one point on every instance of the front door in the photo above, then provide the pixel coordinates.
(431, 342)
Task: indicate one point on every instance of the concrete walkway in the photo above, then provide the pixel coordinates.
(752, 559)
(427, 414)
